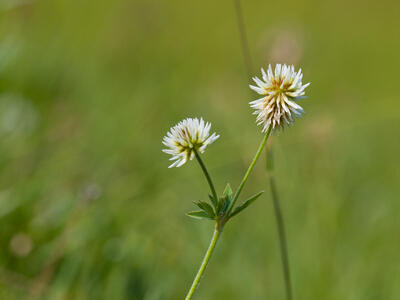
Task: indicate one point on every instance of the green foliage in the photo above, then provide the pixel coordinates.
(213, 201)
(245, 204)
(220, 206)
(200, 214)
(206, 207)
(224, 201)
(228, 191)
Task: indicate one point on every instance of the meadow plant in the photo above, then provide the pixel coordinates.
(280, 89)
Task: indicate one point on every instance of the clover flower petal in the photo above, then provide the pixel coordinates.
(186, 137)
(280, 90)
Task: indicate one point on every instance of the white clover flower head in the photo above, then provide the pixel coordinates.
(280, 90)
(186, 137)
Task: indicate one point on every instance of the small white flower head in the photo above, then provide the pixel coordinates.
(185, 137)
(280, 90)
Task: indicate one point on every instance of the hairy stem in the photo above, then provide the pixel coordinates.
(204, 263)
(246, 176)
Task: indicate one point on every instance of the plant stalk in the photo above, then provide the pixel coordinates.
(204, 263)
(239, 189)
(209, 180)
(214, 239)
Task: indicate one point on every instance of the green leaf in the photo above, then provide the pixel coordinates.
(220, 205)
(213, 201)
(225, 200)
(199, 214)
(226, 203)
(228, 191)
(245, 204)
(206, 207)
(223, 204)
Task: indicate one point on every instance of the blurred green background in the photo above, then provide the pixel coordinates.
(88, 208)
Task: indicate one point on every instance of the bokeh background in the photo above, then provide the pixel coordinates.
(88, 208)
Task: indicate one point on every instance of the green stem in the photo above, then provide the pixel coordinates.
(204, 263)
(280, 226)
(203, 167)
(237, 193)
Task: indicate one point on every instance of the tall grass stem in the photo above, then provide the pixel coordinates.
(274, 193)
(280, 225)
(243, 38)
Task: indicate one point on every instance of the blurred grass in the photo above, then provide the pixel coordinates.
(88, 208)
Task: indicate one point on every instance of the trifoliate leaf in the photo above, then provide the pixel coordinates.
(225, 200)
(199, 214)
(228, 191)
(220, 205)
(213, 201)
(226, 203)
(245, 204)
(206, 207)
(223, 204)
